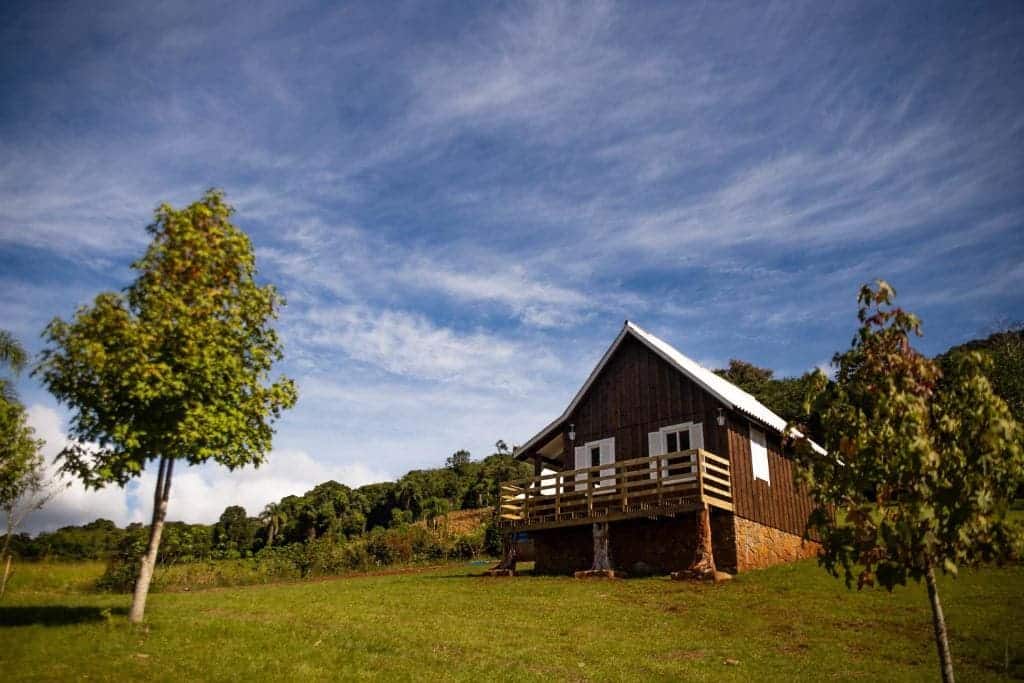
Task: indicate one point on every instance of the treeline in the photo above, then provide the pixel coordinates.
(329, 528)
(1003, 351)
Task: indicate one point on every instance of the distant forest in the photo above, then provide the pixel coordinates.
(1004, 351)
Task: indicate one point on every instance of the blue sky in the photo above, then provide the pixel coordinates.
(462, 202)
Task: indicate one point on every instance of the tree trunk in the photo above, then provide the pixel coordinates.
(703, 565)
(602, 560)
(148, 563)
(5, 554)
(939, 622)
(7, 575)
(509, 556)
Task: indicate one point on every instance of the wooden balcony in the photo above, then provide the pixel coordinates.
(644, 487)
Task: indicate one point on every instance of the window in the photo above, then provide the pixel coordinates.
(596, 454)
(759, 454)
(675, 439)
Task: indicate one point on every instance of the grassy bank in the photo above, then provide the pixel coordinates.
(790, 622)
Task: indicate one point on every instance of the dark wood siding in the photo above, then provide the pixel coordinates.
(780, 504)
(639, 392)
(636, 393)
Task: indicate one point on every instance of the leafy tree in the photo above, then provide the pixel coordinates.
(784, 396)
(458, 459)
(274, 517)
(747, 376)
(1005, 351)
(378, 500)
(175, 368)
(14, 356)
(434, 509)
(922, 463)
(24, 485)
(235, 531)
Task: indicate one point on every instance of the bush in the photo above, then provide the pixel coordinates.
(182, 570)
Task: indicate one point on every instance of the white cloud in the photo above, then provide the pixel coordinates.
(408, 344)
(198, 494)
(74, 504)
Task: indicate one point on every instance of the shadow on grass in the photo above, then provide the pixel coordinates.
(480, 575)
(56, 615)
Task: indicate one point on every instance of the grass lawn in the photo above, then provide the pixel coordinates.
(789, 622)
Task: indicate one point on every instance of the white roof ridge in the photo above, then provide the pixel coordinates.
(717, 386)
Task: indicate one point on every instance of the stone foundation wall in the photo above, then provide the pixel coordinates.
(653, 546)
(563, 551)
(637, 546)
(758, 546)
(660, 546)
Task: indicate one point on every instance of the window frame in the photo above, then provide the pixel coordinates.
(695, 431)
(760, 461)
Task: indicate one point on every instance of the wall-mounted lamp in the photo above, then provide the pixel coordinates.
(721, 417)
(572, 432)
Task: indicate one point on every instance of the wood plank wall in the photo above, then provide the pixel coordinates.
(639, 392)
(780, 504)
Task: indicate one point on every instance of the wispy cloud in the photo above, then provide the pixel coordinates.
(461, 204)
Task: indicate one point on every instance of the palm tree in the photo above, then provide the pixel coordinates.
(274, 517)
(14, 356)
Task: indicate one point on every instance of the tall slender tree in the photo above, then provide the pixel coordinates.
(175, 368)
(921, 464)
(24, 485)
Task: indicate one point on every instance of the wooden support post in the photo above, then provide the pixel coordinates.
(601, 567)
(507, 566)
(703, 565)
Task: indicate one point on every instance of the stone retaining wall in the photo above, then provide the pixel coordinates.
(759, 546)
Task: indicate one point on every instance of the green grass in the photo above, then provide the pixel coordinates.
(789, 622)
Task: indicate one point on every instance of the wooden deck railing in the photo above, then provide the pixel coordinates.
(643, 487)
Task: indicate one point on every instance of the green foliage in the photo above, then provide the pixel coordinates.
(922, 463)
(177, 366)
(784, 396)
(235, 532)
(330, 512)
(96, 540)
(22, 471)
(1004, 367)
(458, 459)
(21, 463)
(14, 356)
(181, 543)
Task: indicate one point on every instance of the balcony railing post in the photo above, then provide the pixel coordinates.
(700, 472)
(620, 483)
(558, 495)
(659, 476)
(590, 494)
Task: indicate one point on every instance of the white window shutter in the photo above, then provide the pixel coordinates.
(581, 462)
(697, 435)
(608, 458)
(759, 455)
(655, 446)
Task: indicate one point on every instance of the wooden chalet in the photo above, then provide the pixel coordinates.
(657, 463)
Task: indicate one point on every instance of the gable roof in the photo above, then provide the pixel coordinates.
(719, 387)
